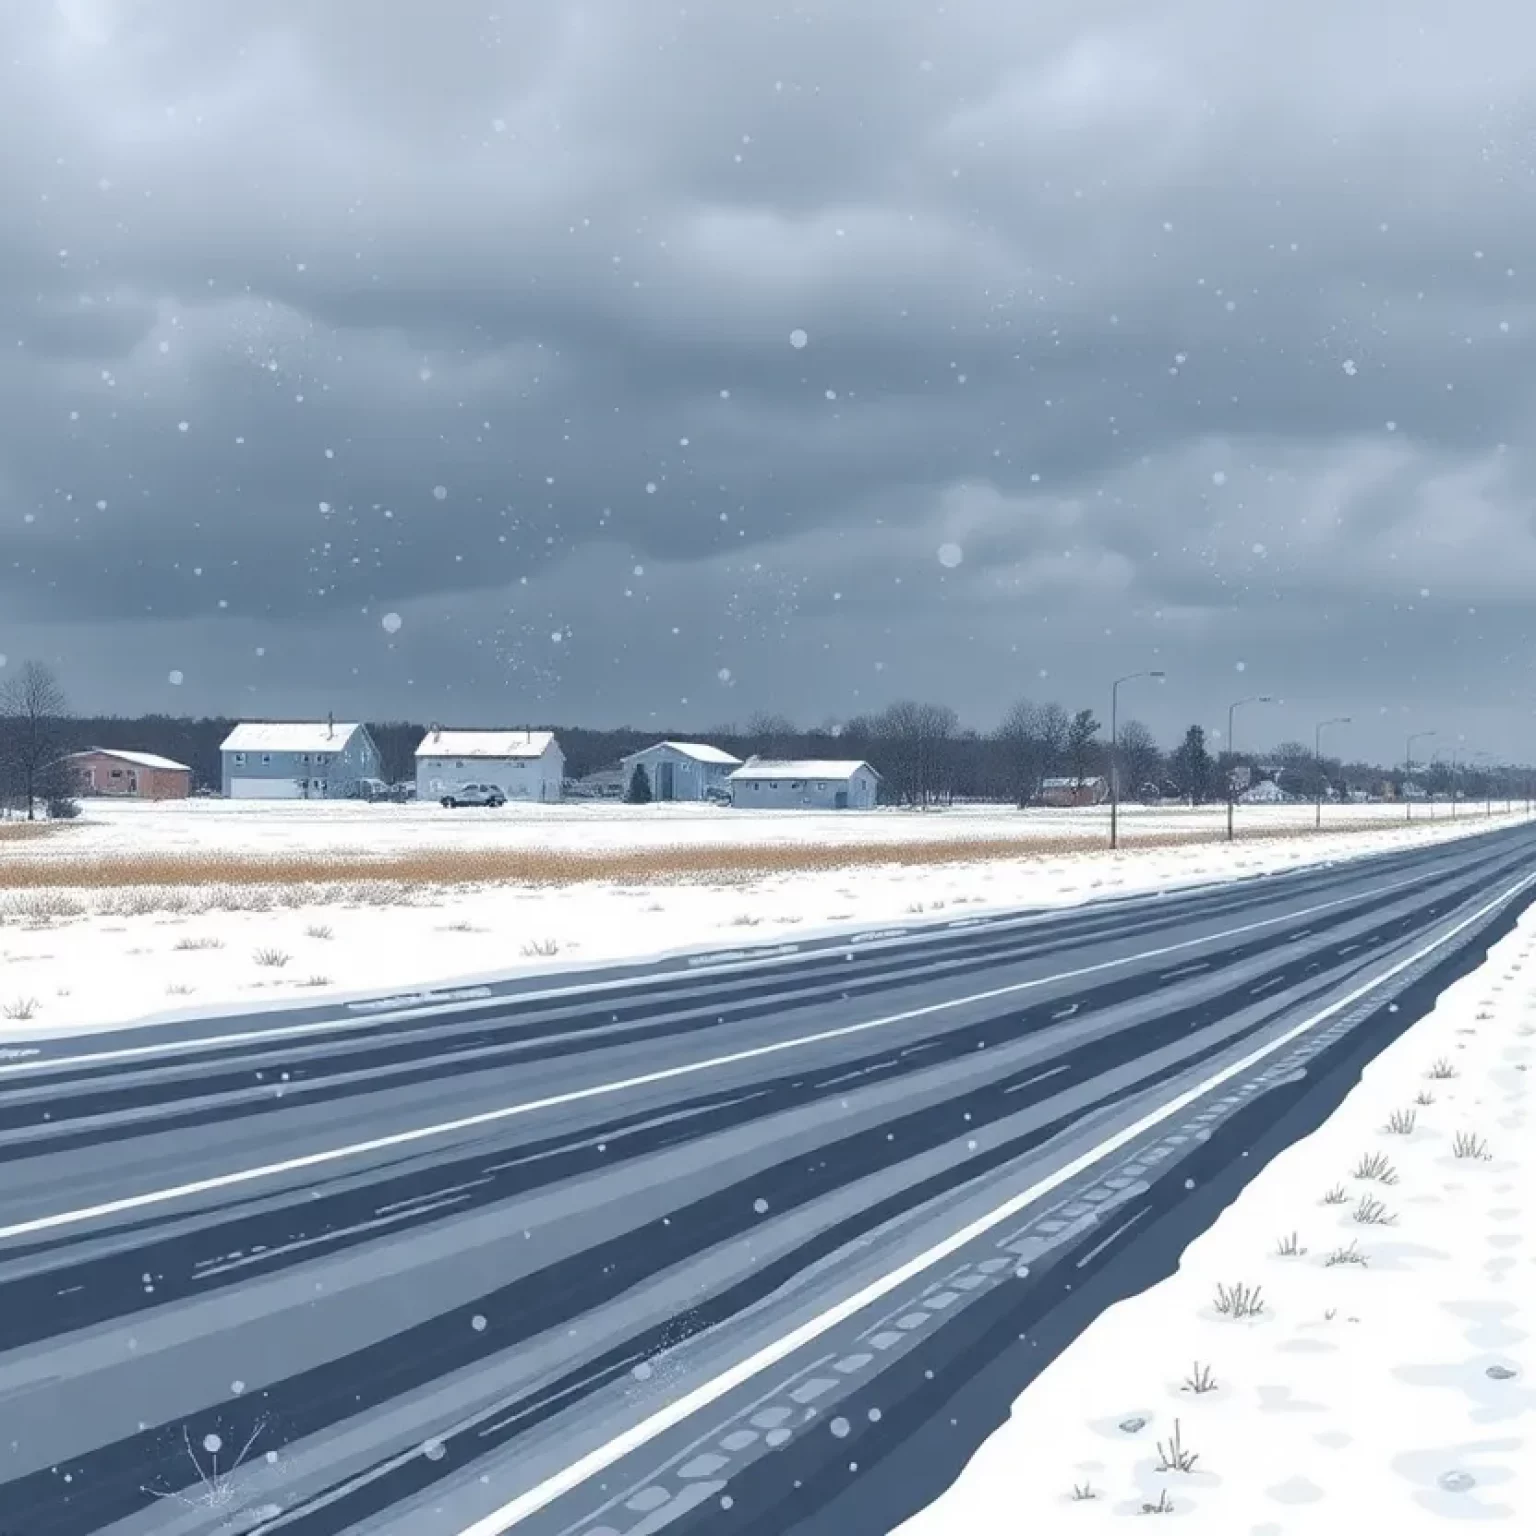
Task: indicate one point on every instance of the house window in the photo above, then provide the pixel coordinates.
(304, 758)
(117, 773)
(266, 759)
(239, 759)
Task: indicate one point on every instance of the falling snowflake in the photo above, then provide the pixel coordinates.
(183, 426)
(724, 674)
(1219, 478)
(650, 487)
(1349, 367)
(175, 678)
(440, 492)
(950, 555)
(556, 635)
(392, 622)
(1242, 666)
(798, 338)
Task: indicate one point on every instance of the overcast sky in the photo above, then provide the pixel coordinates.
(609, 361)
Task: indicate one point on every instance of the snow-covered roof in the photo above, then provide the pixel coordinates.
(289, 736)
(699, 751)
(138, 759)
(491, 744)
(800, 768)
(1070, 783)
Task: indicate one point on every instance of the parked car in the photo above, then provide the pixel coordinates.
(370, 789)
(474, 794)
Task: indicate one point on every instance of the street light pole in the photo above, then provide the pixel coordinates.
(1232, 709)
(1317, 759)
(1408, 768)
(1114, 750)
(1455, 763)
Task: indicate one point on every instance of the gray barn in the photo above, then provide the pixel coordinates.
(805, 784)
(296, 760)
(681, 770)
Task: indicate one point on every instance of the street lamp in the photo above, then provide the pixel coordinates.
(1408, 768)
(1114, 750)
(1479, 757)
(1317, 758)
(1232, 709)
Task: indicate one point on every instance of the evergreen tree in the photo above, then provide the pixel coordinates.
(639, 792)
(1191, 766)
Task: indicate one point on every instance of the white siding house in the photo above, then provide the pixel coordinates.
(832, 786)
(524, 765)
(296, 760)
(681, 770)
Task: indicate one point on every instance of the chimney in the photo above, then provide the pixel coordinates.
(330, 725)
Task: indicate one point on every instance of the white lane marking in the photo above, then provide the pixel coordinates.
(681, 1409)
(722, 963)
(622, 1085)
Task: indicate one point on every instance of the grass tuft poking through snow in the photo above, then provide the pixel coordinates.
(1384, 1388)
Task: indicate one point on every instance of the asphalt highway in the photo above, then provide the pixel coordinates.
(755, 1242)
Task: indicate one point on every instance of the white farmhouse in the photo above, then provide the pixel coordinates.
(680, 770)
(524, 765)
(811, 783)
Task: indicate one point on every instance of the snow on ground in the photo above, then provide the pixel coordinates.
(250, 827)
(1389, 1381)
(88, 958)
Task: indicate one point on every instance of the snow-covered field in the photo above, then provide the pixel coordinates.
(127, 829)
(1386, 1384)
(73, 959)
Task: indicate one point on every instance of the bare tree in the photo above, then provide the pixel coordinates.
(771, 735)
(32, 711)
(915, 749)
(1141, 762)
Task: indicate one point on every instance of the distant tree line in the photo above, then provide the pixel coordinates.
(925, 756)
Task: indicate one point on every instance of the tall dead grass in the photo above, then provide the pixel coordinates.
(286, 875)
(24, 831)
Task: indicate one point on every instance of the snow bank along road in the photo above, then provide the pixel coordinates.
(760, 1246)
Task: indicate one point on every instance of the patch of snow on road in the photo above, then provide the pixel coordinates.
(1385, 1378)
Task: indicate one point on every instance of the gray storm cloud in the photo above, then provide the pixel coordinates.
(1195, 335)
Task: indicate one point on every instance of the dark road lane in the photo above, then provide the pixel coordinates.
(419, 1271)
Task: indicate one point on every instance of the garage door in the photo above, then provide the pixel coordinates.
(264, 789)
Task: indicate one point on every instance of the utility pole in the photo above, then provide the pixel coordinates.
(1408, 768)
(1114, 750)
(1232, 709)
(1317, 759)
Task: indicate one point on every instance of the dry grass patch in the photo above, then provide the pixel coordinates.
(26, 831)
(548, 867)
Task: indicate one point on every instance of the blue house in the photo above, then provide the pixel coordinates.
(297, 760)
(681, 770)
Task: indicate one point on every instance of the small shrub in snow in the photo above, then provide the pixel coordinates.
(1081, 1492)
(1239, 1300)
(202, 943)
(542, 947)
(1424, 1097)
(20, 1008)
(1441, 1070)
(1401, 1122)
(1164, 1505)
(1465, 1144)
(319, 931)
(272, 958)
(1375, 1166)
(1371, 1212)
(1199, 1381)
(1289, 1247)
(1176, 1456)
(1336, 1196)
(1347, 1255)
